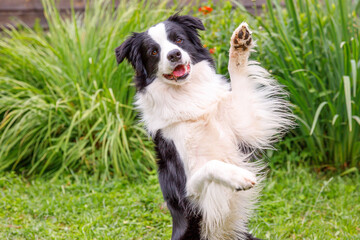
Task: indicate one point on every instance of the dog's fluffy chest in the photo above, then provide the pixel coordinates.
(198, 141)
(163, 106)
(195, 117)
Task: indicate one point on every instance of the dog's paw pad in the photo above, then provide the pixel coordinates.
(242, 38)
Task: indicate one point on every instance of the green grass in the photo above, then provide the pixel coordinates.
(295, 204)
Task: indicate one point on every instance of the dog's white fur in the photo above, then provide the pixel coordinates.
(208, 119)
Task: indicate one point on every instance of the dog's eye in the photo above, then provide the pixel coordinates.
(154, 52)
(179, 40)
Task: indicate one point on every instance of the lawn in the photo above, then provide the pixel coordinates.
(296, 204)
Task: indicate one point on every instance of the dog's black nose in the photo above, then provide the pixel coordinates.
(174, 55)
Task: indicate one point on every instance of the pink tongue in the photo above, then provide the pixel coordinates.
(179, 71)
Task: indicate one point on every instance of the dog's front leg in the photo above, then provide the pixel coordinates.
(241, 44)
(226, 174)
(256, 110)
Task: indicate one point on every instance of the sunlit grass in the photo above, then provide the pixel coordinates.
(295, 204)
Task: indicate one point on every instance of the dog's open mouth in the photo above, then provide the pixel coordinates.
(180, 72)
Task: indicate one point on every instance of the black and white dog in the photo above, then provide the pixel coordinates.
(206, 130)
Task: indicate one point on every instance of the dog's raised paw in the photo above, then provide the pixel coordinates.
(242, 39)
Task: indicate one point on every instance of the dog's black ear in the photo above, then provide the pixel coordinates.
(130, 50)
(123, 50)
(126, 48)
(190, 21)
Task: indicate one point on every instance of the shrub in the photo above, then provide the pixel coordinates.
(64, 104)
(314, 49)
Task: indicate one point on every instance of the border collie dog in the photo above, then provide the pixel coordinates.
(206, 130)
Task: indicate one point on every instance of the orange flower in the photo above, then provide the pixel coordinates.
(205, 9)
(212, 50)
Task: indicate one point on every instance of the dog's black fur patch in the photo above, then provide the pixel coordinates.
(172, 179)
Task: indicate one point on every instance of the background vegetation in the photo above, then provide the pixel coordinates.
(314, 50)
(64, 103)
(66, 106)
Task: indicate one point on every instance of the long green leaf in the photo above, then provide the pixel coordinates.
(316, 117)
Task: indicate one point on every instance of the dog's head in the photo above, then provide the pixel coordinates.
(165, 52)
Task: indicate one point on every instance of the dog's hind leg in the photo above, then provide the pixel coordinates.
(211, 188)
(229, 175)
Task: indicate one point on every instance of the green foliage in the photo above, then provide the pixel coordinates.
(313, 48)
(66, 106)
(295, 204)
(64, 103)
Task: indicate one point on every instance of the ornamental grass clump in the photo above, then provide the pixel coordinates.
(313, 48)
(64, 103)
